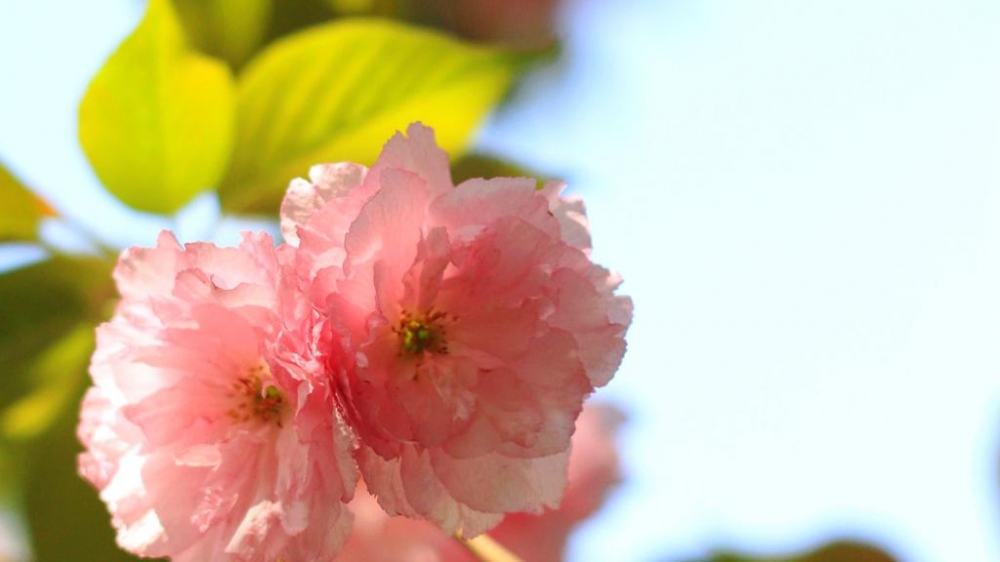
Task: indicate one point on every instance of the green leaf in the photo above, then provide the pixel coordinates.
(837, 551)
(22, 209)
(295, 15)
(41, 305)
(395, 9)
(227, 29)
(156, 122)
(46, 338)
(56, 377)
(12, 475)
(339, 91)
(66, 517)
(475, 165)
(353, 6)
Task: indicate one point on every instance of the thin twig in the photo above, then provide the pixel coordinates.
(485, 549)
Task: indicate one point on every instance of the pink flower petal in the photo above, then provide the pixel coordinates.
(211, 430)
(474, 326)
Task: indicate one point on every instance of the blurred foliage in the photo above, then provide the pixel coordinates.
(387, 8)
(67, 519)
(838, 551)
(517, 24)
(296, 15)
(156, 122)
(55, 377)
(49, 310)
(42, 304)
(231, 30)
(23, 210)
(333, 93)
(476, 165)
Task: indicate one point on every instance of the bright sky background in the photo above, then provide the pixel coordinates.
(803, 198)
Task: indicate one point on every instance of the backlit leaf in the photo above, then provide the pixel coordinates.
(156, 122)
(21, 209)
(339, 91)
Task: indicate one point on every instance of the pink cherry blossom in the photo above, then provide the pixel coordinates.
(209, 431)
(594, 469)
(464, 325)
(380, 537)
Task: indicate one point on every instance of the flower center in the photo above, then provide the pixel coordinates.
(419, 334)
(255, 399)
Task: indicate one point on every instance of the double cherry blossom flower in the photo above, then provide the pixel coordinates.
(439, 340)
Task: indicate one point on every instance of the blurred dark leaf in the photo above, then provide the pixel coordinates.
(383, 8)
(22, 209)
(42, 305)
(11, 474)
(291, 16)
(156, 122)
(13, 471)
(68, 522)
(838, 551)
(475, 165)
(525, 25)
(50, 310)
(339, 91)
(55, 378)
(518, 24)
(227, 29)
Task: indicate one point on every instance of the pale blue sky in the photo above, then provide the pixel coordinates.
(803, 198)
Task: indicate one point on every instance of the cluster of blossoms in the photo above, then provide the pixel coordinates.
(438, 341)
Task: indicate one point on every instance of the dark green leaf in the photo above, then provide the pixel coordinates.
(55, 377)
(227, 29)
(42, 304)
(838, 551)
(385, 8)
(68, 522)
(294, 15)
(475, 165)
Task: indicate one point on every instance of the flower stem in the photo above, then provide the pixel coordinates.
(485, 549)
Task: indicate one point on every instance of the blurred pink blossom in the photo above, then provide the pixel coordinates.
(594, 469)
(464, 325)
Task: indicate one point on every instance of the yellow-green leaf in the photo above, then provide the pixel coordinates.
(21, 210)
(228, 29)
(339, 91)
(156, 122)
